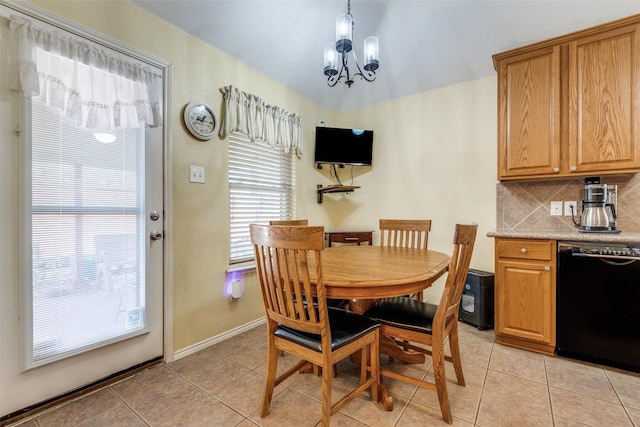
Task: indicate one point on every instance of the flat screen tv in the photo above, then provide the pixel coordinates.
(343, 146)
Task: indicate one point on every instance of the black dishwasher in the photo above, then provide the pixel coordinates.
(598, 303)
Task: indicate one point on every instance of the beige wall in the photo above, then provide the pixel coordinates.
(434, 157)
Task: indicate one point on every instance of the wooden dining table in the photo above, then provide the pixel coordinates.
(363, 274)
(373, 272)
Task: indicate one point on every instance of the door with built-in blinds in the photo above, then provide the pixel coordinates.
(82, 251)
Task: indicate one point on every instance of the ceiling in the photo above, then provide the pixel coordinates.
(424, 44)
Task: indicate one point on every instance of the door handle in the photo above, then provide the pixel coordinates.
(156, 235)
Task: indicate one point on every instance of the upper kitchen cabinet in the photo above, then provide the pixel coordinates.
(529, 113)
(604, 106)
(569, 106)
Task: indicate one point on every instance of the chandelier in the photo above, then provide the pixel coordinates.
(344, 45)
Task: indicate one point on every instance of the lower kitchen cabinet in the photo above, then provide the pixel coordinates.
(525, 296)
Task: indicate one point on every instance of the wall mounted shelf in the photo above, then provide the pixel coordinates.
(334, 189)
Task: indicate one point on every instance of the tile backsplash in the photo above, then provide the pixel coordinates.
(523, 206)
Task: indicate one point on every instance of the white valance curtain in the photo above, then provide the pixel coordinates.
(95, 88)
(249, 115)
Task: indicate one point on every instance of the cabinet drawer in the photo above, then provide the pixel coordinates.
(525, 249)
(349, 237)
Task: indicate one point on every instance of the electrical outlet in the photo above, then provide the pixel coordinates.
(568, 206)
(556, 208)
(196, 174)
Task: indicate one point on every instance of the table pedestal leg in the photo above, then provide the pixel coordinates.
(386, 399)
(360, 305)
(389, 347)
(310, 368)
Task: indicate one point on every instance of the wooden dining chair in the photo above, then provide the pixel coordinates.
(409, 320)
(405, 233)
(315, 333)
(337, 303)
(289, 222)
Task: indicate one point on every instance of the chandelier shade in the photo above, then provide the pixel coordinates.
(371, 62)
(336, 56)
(330, 58)
(344, 33)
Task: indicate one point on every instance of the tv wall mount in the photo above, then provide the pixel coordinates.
(333, 189)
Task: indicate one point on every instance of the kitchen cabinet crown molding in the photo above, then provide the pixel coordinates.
(565, 38)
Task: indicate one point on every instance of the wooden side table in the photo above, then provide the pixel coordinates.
(348, 237)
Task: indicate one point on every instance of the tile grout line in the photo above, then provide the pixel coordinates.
(124, 402)
(211, 395)
(484, 383)
(546, 376)
(615, 390)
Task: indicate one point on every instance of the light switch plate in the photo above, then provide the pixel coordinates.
(196, 174)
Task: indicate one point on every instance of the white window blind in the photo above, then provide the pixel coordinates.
(261, 188)
(86, 235)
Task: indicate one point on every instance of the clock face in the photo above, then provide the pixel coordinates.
(200, 120)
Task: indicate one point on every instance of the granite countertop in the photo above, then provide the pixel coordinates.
(629, 237)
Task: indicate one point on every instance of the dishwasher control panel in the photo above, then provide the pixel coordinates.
(601, 249)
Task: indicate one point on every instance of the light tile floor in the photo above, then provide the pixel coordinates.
(222, 386)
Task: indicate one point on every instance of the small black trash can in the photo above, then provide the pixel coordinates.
(476, 306)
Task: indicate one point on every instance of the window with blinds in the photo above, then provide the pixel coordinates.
(261, 188)
(86, 235)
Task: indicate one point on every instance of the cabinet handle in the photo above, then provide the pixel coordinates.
(573, 168)
(547, 268)
(556, 170)
(523, 250)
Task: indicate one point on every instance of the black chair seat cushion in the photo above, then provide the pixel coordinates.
(345, 328)
(404, 312)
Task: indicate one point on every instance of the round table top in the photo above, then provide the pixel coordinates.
(371, 272)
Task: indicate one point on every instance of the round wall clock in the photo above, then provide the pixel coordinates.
(200, 119)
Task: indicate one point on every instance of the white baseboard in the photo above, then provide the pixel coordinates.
(218, 338)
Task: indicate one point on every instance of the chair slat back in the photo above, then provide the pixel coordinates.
(405, 233)
(289, 222)
(282, 261)
(463, 242)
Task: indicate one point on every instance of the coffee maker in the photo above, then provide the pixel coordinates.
(599, 207)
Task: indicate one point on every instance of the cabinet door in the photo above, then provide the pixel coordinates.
(604, 104)
(524, 300)
(529, 114)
